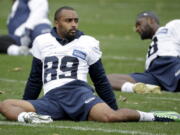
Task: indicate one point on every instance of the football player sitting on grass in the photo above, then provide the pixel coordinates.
(162, 60)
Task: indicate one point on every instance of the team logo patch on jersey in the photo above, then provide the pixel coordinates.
(163, 31)
(79, 54)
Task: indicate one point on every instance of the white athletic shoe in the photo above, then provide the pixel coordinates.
(146, 88)
(32, 117)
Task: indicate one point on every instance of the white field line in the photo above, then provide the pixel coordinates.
(165, 98)
(78, 128)
(12, 81)
(124, 58)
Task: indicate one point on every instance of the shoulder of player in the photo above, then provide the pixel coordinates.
(43, 37)
(42, 40)
(170, 26)
(87, 37)
(173, 23)
(89, 40)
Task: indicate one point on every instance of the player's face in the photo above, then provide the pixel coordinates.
(67, 24)
(144, 28)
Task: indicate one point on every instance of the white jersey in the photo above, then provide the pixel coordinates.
(63, 64)
(165, 42)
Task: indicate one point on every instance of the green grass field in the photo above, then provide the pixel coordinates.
(112, 23)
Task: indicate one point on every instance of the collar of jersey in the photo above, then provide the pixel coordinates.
(65, 41)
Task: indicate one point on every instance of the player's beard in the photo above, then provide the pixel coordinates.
(147, 34)
(71, 34)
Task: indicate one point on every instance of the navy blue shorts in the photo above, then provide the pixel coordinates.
(164, 71)
(72, 101)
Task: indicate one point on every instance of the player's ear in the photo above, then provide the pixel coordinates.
(55, 23)
(152, 21)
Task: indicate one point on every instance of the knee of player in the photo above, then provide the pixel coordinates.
(4, 105)
(109, 117)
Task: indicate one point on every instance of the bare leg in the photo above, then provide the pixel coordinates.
(11, 108)
(117, 80)
(103, 113)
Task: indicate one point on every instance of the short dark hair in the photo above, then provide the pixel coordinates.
(148, 14)
(58, 11)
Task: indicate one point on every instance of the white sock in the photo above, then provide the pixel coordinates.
(21, 117)
(13, 50)
(127, 87)
(145, 116)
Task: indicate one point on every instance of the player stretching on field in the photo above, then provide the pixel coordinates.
(162, 60)
(61, 62)
(27, 20)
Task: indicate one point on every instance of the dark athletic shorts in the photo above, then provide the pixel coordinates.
(164, 71)
(71, 101)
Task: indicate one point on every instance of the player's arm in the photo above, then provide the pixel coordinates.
(102, 85)
(34, 83)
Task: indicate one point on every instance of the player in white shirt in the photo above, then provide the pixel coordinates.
(61, 62)
(162, 67)
(27, 20)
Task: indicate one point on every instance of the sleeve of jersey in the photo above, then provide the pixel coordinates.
(36, 48)
(102, 85)
(175, 29)
(167, 41)
(94, 51)
(177, 32)
(34, 83)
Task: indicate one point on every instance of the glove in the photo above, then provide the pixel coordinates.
(25, 38)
